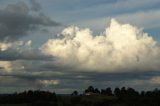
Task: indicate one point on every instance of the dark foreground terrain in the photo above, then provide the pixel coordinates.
(90, 97)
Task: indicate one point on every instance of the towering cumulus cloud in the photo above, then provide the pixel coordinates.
(122, 47)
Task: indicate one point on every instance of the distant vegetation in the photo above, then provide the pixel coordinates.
(91, 97)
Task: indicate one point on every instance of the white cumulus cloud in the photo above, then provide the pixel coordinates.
(121, 47)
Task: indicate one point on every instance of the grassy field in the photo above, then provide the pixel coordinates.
(13, 105)
(92, 99)
(68, 100)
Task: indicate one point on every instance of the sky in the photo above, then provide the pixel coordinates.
(67, 45)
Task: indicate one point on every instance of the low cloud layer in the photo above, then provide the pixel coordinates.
(121, 47)
(20, 50)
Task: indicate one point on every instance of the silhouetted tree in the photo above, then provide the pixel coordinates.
(117, 92)
(103, 92)
(130, 92)
(75, 93)
(90, 89)
(123, 92)
(97, 91)
(123, 97)
(107, 91)
(142, 93)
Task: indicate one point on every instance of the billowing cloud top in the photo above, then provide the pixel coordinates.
(121, 47)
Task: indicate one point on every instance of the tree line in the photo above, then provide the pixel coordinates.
(90, 97)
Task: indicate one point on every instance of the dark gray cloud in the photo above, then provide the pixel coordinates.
(35, 6)
(72, 81)
(28, 54)
(16, 20)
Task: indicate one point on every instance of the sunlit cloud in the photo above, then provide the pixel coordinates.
(48, 82)
(121, 47)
